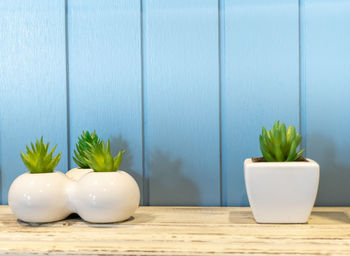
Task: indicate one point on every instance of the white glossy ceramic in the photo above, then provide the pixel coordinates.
(40, 197)
(77, 173)
(103, 197)
(98, 197)
(281, 192)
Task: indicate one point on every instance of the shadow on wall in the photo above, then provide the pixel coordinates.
(1, 199)
(334, 189)
(118, 144)
(244, 202)
(168, 184)
(1, 192)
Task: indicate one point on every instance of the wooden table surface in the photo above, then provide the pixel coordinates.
(180, 231)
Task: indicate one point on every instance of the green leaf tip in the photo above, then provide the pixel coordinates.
(82, 150)
(280, 143)
(38, 160)
(101, 159)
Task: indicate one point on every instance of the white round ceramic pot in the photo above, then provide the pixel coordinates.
(104, 197)
(77, 173)
(40, 197)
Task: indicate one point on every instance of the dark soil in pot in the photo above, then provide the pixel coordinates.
(261, 160)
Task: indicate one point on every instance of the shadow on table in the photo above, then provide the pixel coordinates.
(241, 217)
(74, 219)
(317, 217)
(324, 217)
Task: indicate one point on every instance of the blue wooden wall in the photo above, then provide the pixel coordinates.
(184, 86)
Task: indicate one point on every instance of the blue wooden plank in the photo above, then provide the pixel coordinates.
(181, 101)
(326, 63)
(260, 81)
(32, 81)
(105, 75)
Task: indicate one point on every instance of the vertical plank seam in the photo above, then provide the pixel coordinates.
(221, 6)
(220, 102)
(302, 92)
(145, 178)
(67, 84)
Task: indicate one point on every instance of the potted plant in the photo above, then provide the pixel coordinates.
(106, 194)
(40, 195)
(282, 185)
(82, 149)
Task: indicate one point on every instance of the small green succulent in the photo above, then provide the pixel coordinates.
(280, 144)
(101, 159)
(83, 148)
(38, 160)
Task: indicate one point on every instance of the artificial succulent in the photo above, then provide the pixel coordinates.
(83, 148)
(280, 144)
(38, 160)
(101, 159)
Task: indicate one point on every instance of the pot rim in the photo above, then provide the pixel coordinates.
(118, 171)
(308, 162)
(44, 173)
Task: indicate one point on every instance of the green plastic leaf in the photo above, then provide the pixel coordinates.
(38, 160)
(83, 148)
(299, 155)
(280, 144)
(101, 159)
(266, 153)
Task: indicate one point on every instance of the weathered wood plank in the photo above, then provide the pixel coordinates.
(182, 102)
(325, 79)
(32, 82)
(105, 76)
(180, 231)
(260, 81)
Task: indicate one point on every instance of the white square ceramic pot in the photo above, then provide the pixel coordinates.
(281, 192)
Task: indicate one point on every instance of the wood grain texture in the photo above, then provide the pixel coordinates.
(182, 102)
(260, 81)
(105, 76)
(326, 80)
(32, 82)
(180, 231)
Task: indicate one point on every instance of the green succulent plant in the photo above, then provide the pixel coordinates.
(38, 160)
(83, 148)
(280, 144)
(101, 159)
